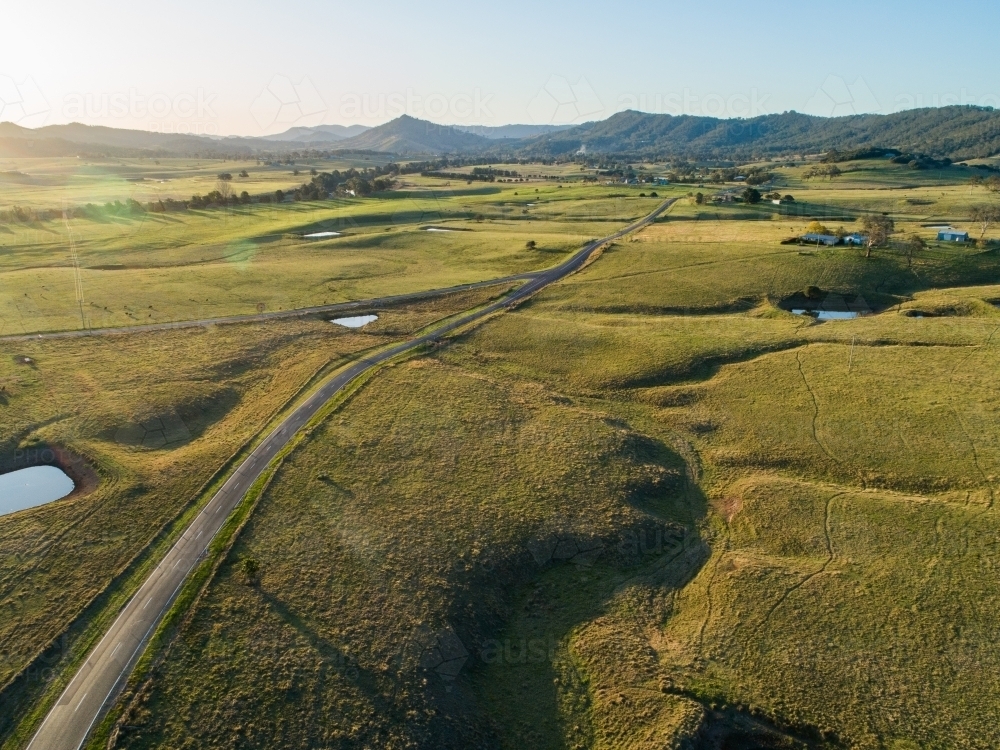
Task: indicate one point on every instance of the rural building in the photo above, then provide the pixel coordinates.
(726, 196)
(821, 239)
(953, 235)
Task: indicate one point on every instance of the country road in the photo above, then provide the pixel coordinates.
(70, 720)
(298, 312)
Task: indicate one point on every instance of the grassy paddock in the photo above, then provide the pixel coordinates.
(160, 413)
(84, 273)
(649, 508)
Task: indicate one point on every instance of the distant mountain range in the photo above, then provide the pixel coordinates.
(318, 134)
(954, 132)
(74, 139)
(511, 131)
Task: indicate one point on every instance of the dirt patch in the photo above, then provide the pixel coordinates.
(75, 466)
(730, 506)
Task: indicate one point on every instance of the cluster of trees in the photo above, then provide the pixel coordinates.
(776, 196)
(360, 183)
(217, 198)
(833, 155)
(991, 183)
(129, 208)
(162, 206)
(490, 171)
(757, 175)
(920, 161)
(23, 214)
(460, 176)
(823, 170)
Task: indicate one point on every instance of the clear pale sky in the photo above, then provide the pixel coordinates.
(247, 68)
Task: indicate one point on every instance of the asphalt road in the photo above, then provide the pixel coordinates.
(69, 722)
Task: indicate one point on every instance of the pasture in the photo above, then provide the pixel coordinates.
(648, 506)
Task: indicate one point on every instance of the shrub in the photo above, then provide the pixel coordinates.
(249, 567)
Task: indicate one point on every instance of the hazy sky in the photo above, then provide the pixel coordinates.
(250, 67)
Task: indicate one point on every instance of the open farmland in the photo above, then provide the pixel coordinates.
(134, 269)
(649, 508)
(146, 424)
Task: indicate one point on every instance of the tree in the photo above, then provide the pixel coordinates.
(751, 195)
(225, 177)
(224, 189)
(993, 183)
(877, 230)
(914, 244)
(279, 196)
(250, 568)
(530, 244)
(985, 216)
(699, 198)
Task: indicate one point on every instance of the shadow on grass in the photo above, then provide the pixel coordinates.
(335, 659)
(535, 691)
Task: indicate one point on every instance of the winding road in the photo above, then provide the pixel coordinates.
(70, 720)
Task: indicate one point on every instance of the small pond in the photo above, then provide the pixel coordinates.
(437, 229)
(37, 485)
(355, 322)
(320, 235)
(827, 314)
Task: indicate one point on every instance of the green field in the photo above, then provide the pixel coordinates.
(54, 183)
(153, 417)
(132, 269)
(648, 508)
(849, 517)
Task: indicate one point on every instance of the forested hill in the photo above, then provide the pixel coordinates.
(954, 132)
